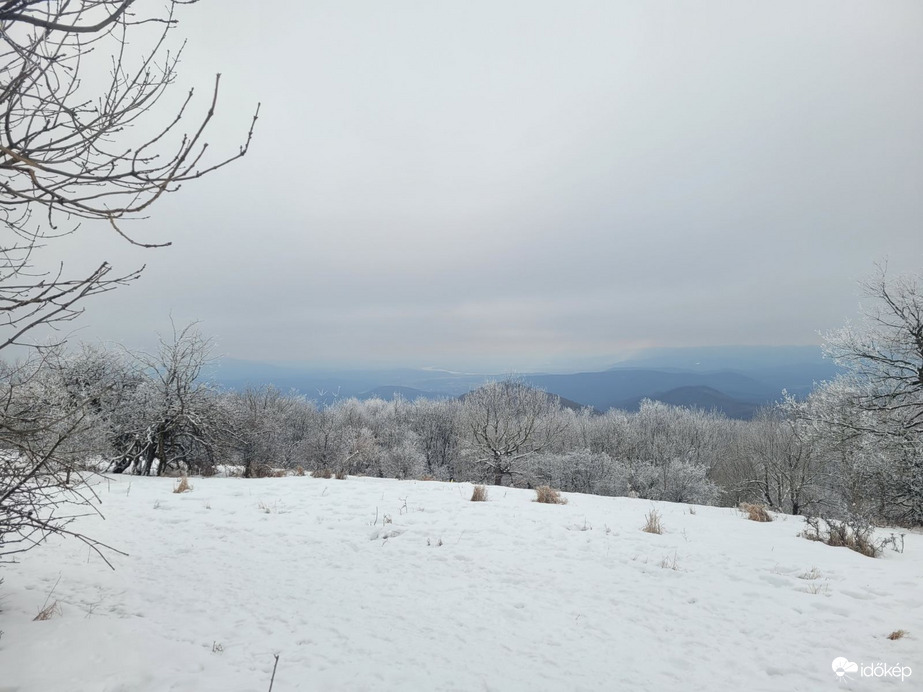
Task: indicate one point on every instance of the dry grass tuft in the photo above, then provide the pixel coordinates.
(817, 588)
(299, 470)
(755, 512)
(670, 562)
(277, 507)
(340, 475)
(427, 477)
(279, 473)
(549, 496)
(183, 486)
(653, 523)
(479, 494)
(810, 575)
(48, 612)
(897, 634)
(321, 473)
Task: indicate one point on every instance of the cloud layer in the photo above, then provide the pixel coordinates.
(517, 185)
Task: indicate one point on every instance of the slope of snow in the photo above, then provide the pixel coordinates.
(367, 584)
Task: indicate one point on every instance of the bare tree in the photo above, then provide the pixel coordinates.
(788, 470)
(173, 417)
(883, 356)
(508, 421)
(82, 141)
(437, 424)
(73, 151)
(267, 428)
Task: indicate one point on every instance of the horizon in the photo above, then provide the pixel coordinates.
(728, 351)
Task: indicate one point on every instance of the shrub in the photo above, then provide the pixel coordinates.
(261, 471)
(340, 475)
(299, 470)
(855, 533)
(321, 473)
(755, 512)
(652, 522)
(549, 496)
(479, 494)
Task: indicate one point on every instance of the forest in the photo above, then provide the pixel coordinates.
(850, 451)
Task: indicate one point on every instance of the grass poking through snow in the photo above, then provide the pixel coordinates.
(653, 522)
(549, 496)
(479, 494)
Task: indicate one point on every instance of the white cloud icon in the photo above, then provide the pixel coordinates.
(841, 666)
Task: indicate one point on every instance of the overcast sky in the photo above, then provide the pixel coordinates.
(524, 185)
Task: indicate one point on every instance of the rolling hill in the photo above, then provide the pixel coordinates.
(735, 380)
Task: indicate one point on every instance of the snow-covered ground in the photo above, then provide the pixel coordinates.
(366, 584)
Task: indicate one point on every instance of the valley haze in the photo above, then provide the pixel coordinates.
(733, 380)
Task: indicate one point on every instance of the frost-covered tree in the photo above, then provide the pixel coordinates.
(173, 417)
(578, 471)
(506, 422)
(877, 403)
(267, 428)
(438, 427)
(671, 480)
(669, 451)
(47, 435)
(788, 470)
(610, 432)
(330, 443)
(883, 354)
(870, 473)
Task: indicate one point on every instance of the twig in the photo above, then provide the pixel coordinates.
(51, 593)
(274, 665)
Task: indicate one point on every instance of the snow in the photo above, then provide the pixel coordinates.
(369, 584)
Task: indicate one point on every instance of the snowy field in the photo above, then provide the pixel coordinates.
(367, 584)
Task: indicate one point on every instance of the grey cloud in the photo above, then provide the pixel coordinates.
(516, 183)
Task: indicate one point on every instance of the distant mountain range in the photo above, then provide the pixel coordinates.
(733, 380)
(699, 396)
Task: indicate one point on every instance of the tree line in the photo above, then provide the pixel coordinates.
(852, 448)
